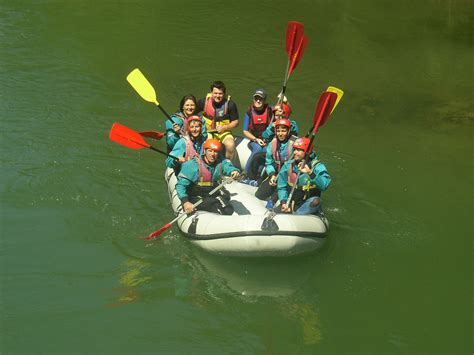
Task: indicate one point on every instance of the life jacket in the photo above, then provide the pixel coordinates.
(259, 122)
(204, 183)
(281, 159)
(302, 192)
(190, 152)
(212, 117)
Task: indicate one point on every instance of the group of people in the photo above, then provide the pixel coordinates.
(201, 150)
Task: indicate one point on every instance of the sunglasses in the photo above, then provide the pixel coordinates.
(258, 98)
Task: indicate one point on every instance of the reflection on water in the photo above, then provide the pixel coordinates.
(214, 283)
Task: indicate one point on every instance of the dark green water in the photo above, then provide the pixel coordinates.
(396, 273)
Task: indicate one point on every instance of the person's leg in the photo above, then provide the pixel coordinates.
(265, 190)
(229, 143)
(310, 206)
(255, 148)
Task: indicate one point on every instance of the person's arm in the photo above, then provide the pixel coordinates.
(269, 161)
(233, 117)
(204, 127)
(171, 136)
(320, 176)
(227, 168)
(294, 128)
(269, 133)
(179, 151)
(282, 183)
(186, 177)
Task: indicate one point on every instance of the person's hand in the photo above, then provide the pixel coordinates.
(220, 129)
(180, 160)
(304, 168)
(235, 174)
(272, 181)
(260, 142)
(176, 128)
(285, 100)
(188, 207)
(285, 208)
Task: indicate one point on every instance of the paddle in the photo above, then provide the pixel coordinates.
(324, 107)
(295, 45)
(152, 134)
(143, 87)
(132, 139)
(339, 94)
(198, 202)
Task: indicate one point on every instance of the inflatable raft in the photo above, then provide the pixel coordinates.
(252, 230)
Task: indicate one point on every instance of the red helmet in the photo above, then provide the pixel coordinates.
(302, 143)
(191, 119)
(283, 122)
(194, 118)
(213, 144)
(285, 108)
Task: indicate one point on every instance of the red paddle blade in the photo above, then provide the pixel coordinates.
(152, 134)
(298, 54)
(158, 232)
(323, 109)
(127, 137)
(294, 32)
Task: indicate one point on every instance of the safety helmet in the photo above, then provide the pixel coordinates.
(302, 143)
(191, 119)
(213, 144)
(283, 122)
(194, 118)
(285, 108)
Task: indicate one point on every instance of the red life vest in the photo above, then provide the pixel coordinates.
(281, 159)
(210, 112)
(258, 122)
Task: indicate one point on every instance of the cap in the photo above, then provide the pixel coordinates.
(260, 92)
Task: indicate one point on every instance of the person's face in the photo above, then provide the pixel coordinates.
(195, 129)
(278, 113)
(258, 102)
(281, 132)
(211, 155)
(217, 95)
(189, 107)
(299, 154)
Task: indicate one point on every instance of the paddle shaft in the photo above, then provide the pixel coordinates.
(163, 152)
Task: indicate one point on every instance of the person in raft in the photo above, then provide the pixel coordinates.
(221, 116)
(176, 127)
(313, 179)
(279, 150)
(188, 146)
(280, 111)
(199, 176)
(256, 120)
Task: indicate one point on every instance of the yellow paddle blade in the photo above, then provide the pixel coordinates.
(142, 86)
(338, 92)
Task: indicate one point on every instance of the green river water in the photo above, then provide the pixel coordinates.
(395, 275)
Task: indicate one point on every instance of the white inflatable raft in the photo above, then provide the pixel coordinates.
(250, 231)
